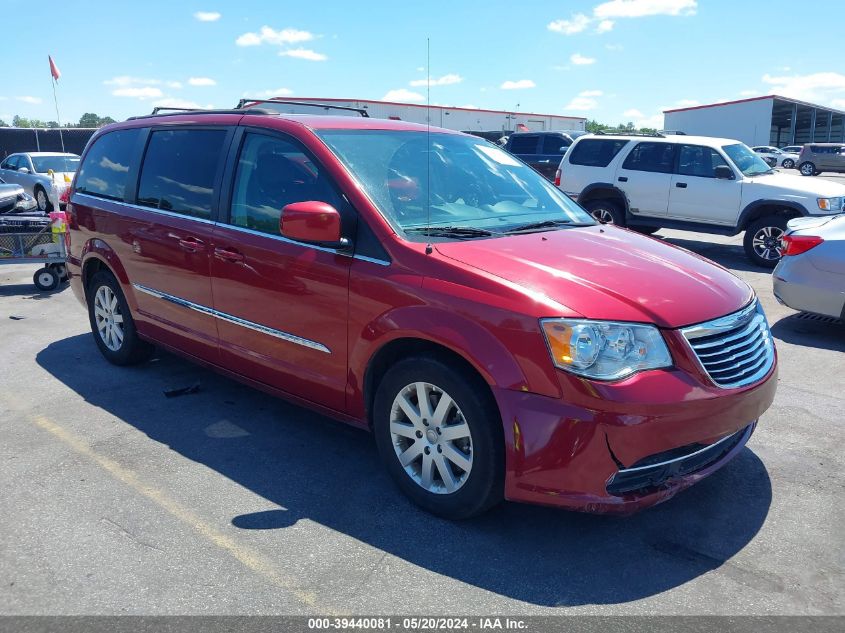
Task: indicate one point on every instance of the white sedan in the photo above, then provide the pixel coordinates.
(783, 159)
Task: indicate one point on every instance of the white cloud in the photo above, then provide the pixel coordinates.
(445, 80)
(604, 26)
(469, 106)
(655, 121)
(138, 92)
(303, 53)
(126, 80)
(576, 24)
(579, 60)
(838, 103)
(207, 16)
(633, 113)
(614, 47)
(643, 8)
(174, 84)
(749, 93)
(520, 84)
(28, 99)
(268, 35)
(266, 94)
(404, 95)
(817, 87)
(584, 101)
(201, 81)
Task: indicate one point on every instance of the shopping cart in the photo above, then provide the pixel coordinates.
(36, 240)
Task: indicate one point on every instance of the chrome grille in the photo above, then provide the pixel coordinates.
(735, 350)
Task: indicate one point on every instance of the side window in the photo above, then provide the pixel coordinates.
(179, 171)
(524, 144)
(11, 163)
(105, 170)
(272, 173)
(553, 145)
(23, 161)
(695, 160)
(649, 156)
(595, 152)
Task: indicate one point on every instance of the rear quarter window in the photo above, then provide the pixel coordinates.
(656, 157)
(524, 144)
(596, 152)
(104, 172)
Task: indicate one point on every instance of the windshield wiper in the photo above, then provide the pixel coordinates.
(545, 224)
(450, 231)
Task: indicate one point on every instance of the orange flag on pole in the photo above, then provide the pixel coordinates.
(53, 70)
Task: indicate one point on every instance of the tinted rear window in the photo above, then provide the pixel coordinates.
(523, 144)
(105, 171)
(657, 157)
(179, 170)
(596, 152)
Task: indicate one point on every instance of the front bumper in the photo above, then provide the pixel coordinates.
(583, 451)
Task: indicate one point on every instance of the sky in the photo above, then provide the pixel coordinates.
(613, 61)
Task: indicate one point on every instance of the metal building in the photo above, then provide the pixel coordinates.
(769, 120)
(443, 116)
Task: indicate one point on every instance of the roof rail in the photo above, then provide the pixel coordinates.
(326, 106)
(626, 133)
(165, 111)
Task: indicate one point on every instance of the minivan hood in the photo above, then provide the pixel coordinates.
(604, 272)
(789, 185)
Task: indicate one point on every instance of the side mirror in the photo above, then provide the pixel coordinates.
(23, 170)
(312, 222)
(723, 172)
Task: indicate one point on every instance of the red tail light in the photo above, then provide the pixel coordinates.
(557, 178)
(797, 244)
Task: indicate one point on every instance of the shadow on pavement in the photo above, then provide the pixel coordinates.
(310, 467)
(810, 331)
(29, 291)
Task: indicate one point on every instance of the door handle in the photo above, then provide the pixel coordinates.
(544, 161)
(229, 255)
(190, 244)
(681, 185)
(623, 179)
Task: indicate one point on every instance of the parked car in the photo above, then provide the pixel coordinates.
(792, 149)
(13, 199)
(816, 158)
(697, 183)
(811, 274)
(43, 175)
(430, 287)
(541, 150)
(780, 158)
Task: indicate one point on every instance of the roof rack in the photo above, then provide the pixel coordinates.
(165, 111)
(625, 133)
(325, 106)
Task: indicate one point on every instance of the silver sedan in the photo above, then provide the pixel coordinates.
(43, 175)
(811, 274)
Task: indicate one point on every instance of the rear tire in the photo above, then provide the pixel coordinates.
(762, 240)
(606, 212)
(808, 169)
(112, 324)
(454, 462)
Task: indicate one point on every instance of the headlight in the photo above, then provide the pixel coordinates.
(830, 204)
(605, 350)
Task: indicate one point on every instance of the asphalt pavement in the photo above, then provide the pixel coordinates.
(119, 500)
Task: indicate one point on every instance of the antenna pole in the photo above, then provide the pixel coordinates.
(428, 247)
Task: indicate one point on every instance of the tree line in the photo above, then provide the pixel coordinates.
(595, 126)
(89, 119)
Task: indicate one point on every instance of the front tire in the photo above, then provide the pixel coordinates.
(606, 212)
(808, 169)
(112, 324)
(788, 163)
(440, 436)
(43, 200)
(763, 240)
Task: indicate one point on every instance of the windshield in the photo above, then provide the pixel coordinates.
(43, 164)
(746, 161)
(473, 184)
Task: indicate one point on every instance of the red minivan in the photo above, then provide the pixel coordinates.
(428, 286)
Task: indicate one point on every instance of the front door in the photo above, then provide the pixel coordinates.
(281, 305)
(646, 176)
(697, 195)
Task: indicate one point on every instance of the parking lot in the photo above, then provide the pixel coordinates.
(118, 499)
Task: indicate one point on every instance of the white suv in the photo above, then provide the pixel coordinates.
(697, 183)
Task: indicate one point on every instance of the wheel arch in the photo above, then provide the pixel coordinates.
(603, 191)
(762, 208)
(98, 255)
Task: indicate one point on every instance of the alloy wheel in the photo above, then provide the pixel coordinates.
(108, 318)
(767, 243)
(41, 199)
(602, 215)
(431, 438)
